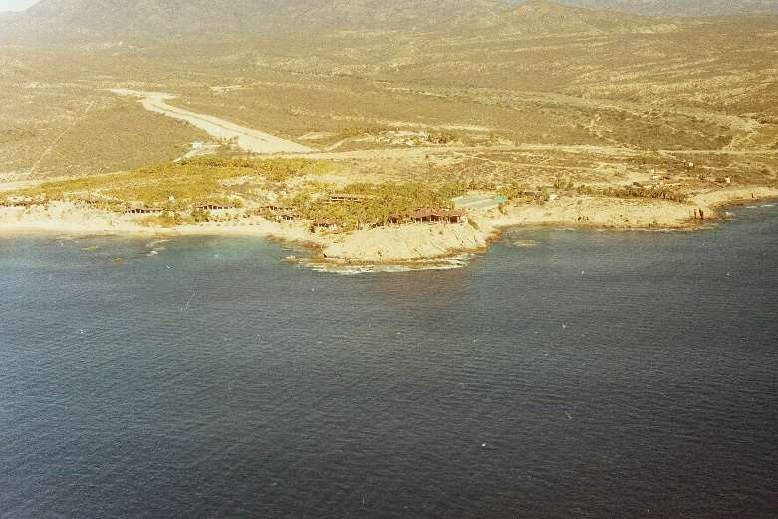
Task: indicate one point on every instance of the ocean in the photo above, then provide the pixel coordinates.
(562, 374)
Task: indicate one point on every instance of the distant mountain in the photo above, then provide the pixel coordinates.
(681, 7)
(163, 19)
(158, 20)
(542, 17)
(8, 15)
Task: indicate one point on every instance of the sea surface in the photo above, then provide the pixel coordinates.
(562, 374)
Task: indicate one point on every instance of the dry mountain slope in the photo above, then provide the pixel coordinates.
(111, 20)
(540, 17)
(681, 7)
(156, 20)
(161, 19)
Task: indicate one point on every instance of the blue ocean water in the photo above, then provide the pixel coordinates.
(589, 374)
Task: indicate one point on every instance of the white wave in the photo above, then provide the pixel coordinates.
(153, 244)
(350, 270)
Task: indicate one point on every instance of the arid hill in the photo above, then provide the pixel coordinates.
(157, 20)
(681, 7)
(162, 20)
(539, 17)
(358, 76)
(148, 21)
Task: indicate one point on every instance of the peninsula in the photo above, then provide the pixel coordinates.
(376, 132)
(348, 216)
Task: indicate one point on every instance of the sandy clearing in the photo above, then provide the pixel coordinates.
(250, 140)
(20, 184)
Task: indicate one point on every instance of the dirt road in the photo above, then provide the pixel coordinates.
(247, 139)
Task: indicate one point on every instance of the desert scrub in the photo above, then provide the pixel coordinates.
(274, 170)
(359, 131)
(444, 137)
(188, 182)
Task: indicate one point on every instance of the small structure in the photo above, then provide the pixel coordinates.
(455, 217)
(324, 223)
(344, 197)
(278, 208)
(214, 207)
(18, 201)
(286, 216)
(420, 216)
(144, 210)
(426, 214)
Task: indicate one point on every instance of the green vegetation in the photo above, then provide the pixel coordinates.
(175, 186)
(658, 192)
(384, 200)
(512, 191)
(515, 191)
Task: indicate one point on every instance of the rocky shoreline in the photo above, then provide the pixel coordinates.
(403, 243)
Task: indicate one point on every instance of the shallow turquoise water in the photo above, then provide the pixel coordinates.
(595, 374)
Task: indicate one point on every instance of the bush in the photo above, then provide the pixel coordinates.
(659, 193)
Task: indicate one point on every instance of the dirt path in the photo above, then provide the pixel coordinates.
(247, 139)
(725, 151)
(422, 151)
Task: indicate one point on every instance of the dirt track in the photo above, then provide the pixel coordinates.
(247, 139)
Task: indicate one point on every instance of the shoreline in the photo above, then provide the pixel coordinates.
(405, 244)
